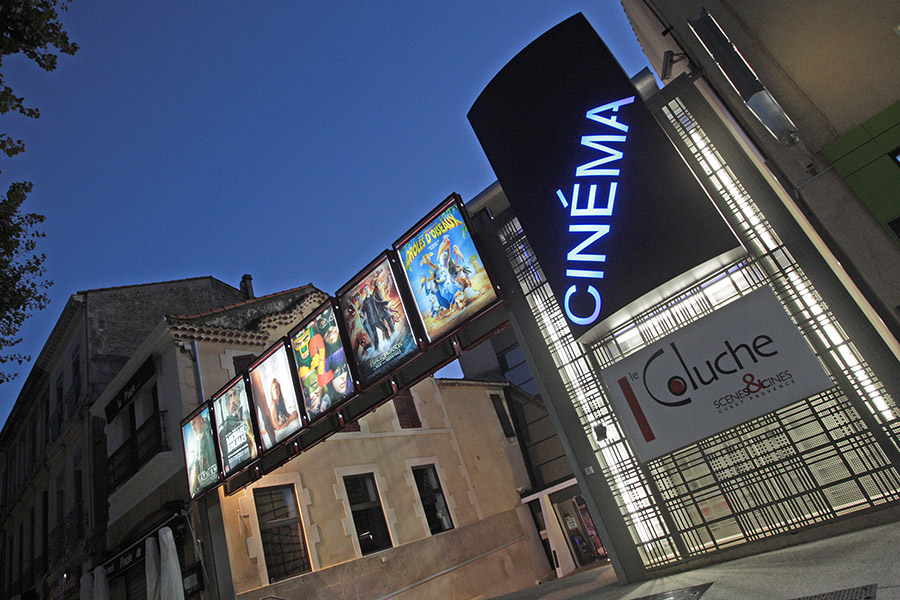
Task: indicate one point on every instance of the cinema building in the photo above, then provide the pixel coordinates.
(687, 445)
(701, 280)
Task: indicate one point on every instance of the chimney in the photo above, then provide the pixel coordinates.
(247, 286)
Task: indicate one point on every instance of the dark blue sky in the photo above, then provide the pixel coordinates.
(290, 140)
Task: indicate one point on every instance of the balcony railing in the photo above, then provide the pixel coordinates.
(74, 528)
(149, 440)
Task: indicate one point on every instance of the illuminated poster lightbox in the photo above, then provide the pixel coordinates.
(200, 453)
(325, 379)
(610, 208)
(275, 398)
(444, 271)
(234, 429)
(381, 337)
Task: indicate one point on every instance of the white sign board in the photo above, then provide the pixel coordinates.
(738, 363)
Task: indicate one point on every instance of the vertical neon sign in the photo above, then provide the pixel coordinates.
(580, 253)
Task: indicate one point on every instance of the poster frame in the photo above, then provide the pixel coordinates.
(453, 199)
(281, 344)
(332, 304)
(206, 405)
(403, 292)
(242, 376)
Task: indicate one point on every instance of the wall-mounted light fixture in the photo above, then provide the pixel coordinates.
(743, 79)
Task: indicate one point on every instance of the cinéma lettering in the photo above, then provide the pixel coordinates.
(589, 215)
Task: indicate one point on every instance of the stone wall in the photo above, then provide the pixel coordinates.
(485, 558)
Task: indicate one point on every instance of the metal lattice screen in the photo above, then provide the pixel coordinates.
(809, 462)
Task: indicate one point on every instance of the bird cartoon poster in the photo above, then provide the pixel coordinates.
(444, 271)
(381, 337)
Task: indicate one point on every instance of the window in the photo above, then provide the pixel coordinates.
(894, 224)
(281, 529)
(368, 517)
(502, 416)
(242, 362)
(406, 410)
(32, 554)
(436, 511)
(60, 508)
(76, 373)
(45, 522)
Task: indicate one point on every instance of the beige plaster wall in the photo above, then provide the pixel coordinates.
(475, 475)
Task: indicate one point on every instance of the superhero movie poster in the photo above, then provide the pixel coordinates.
(445, 273)
(277, 409)
(237, 443)
(321, 364)
(380, 334)
(200, 453)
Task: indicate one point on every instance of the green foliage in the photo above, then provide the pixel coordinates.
(22, 287)
(30, 28)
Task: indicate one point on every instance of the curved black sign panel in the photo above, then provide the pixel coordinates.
(607, 203)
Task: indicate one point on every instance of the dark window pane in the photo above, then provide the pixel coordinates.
(511, 358)
(368, 517)
(518, 374)
(436, 512)
(530, 387)
(282, 532)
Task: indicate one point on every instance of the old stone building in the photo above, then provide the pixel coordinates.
(53, 464)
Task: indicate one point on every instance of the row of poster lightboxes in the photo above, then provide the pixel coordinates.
(347, 345)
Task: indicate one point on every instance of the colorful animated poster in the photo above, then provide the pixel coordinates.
(380, 334)
(200, 453)
(445, 272)
(321, 363)
(277, 409)
(237, 444)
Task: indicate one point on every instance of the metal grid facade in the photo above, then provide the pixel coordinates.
(807, 463)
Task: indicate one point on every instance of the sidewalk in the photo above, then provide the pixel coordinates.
(870, 556)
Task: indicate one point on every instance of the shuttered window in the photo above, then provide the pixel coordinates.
(406, 410)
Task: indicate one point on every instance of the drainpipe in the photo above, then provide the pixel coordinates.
(194, 354)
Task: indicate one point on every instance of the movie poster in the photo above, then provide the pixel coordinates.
(237, 443)
(277, 409)
(200, 453)
(445, 272)
(380, 334)
(321, 364)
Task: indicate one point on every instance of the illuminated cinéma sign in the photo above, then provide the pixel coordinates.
(611, 210)
(736, 364)
(592, 219)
